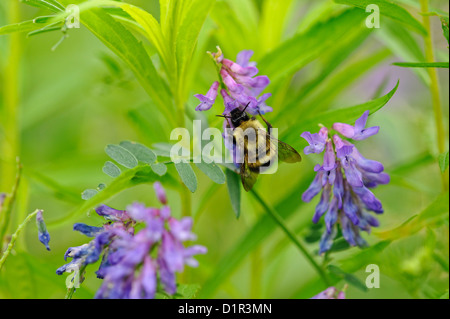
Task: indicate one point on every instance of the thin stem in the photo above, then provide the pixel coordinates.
(434, 86)
(277, 218)
(9, 202)
(72, 289)
(14, 237)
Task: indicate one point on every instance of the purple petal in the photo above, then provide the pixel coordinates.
(351, 210)
(365, 133)
(338, 189)
(243, 58)
(366, 164)
(329, 293)
(347, 231)
(329, 159)
(332, 215)
(323, 204)
(345, 129)
(238, 69)
(316, 143)
(360, 123)
(43, 235)
(230, 82)
(111, 213)
(148, 277)
(160, 192)
(314, 188)
(89, 231)
(327, 240)
(368, 198)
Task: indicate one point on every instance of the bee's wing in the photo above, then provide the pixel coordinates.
(248, 177)
(286, 153)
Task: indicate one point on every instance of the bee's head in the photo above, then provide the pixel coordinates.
(237, 116)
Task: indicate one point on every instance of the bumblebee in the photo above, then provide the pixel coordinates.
(256, 147)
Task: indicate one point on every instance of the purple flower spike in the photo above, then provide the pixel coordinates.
(43, 235)
(316, 143)
(160, 193)
(357, 132)
(351, 200)
(207, 101)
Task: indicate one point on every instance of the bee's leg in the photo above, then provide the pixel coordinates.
(269, 126)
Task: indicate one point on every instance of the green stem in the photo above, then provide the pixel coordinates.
(9, 202)
(14, 237)
(434, 86)
(277, 218)
(72, 290)
(9, 148)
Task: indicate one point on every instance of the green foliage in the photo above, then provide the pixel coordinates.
(443, 162)
(234, 190)
(187, 175)
(390, 10)
(422, 65)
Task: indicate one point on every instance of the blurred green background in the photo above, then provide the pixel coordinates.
(73, 101)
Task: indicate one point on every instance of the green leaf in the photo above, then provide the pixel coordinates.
(111, 169)
(390, 10)
(159, 168)
(187, 175)
(51, 5)
(121, 156)
(234, 190)
(151, 27)
(132, 52)
(88, 194)
(142, 152)
(443, 161)
(26, 26)
(213, 171)
(345, 115)
(422, 64)
(289, 57)
(187, 291)
(355, 282)
(404, 45)
(194, 15)
(432, 214)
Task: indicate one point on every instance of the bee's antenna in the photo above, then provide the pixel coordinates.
(227, 117)
(245, 107)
